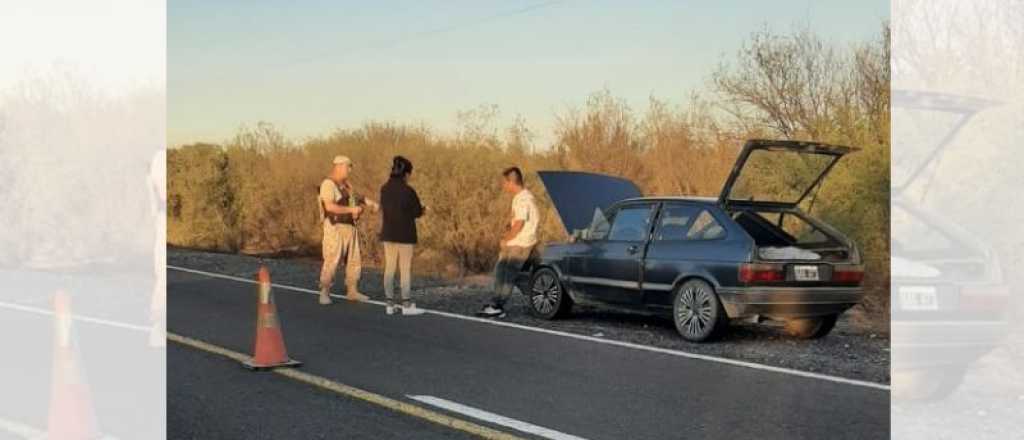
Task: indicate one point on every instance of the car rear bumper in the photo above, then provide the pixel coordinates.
(788, 302)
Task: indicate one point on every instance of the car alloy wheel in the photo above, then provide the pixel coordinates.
(698, 314)
(547, 298)
(545, 293)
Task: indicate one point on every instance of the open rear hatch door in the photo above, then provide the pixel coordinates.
(578, 196)
(926, 124)
(779, 173)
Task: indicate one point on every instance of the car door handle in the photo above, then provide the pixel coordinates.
(632, 249)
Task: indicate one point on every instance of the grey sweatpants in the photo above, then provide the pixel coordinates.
(397, 255)
(510, 263)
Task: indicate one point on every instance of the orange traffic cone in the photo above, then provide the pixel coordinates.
(268, 350)
(71, 412)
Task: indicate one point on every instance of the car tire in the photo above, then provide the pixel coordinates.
(547, 297)
(697, 312)
(811, 328)
(927, 385)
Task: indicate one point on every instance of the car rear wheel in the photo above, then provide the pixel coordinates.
(811, 328)
(547, 298)
(927, 385)
(697, 312)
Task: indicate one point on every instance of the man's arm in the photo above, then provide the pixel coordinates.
(374, 206)
(513, 230)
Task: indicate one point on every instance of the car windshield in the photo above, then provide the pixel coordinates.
(771, 175)
(599, 225)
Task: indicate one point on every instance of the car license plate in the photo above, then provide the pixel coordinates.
(805, 273)
(916, 298)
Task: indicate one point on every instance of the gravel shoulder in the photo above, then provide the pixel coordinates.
(849, 351)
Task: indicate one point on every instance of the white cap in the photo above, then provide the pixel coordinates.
(338, 160)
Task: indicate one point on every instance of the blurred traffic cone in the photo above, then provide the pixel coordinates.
(268, 350)
(71, 412)
(158, 316)
(158, 335)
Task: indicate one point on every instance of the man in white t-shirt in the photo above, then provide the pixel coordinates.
(519, 239)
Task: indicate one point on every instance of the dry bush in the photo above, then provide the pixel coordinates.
(74, 164)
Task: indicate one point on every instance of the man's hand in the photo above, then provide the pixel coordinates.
(356, 212)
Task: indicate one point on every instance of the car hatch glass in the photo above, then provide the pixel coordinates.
(631, 224)
(781, 176)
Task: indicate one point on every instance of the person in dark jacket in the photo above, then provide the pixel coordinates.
(401, 207)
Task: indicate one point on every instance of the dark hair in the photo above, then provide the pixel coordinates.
(400, 167)
(515, 174)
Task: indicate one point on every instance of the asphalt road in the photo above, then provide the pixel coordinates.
(211, 397)
(572, 387)
(123, 374)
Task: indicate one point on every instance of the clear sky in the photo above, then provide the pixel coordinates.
(116, 46)
(331, 64)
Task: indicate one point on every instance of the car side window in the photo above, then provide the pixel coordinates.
(673, 222)
(631, 223)
(705, 227)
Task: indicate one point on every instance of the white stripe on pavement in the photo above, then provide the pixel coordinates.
(683, 354)
(21, 430)
(27, 432)
(493, 418)
(89, 319)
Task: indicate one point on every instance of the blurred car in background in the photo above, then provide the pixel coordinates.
(949, 299)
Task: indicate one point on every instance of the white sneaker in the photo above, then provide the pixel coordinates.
(325, 298)
(491, 312)
(411, 310)
(391, 310)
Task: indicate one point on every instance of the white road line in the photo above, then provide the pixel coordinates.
(29, 433)
(81, 318)
(21, 430)
(683, 354)
(493, 418)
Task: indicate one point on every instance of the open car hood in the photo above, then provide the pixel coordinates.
(577, 195)
(779, 172)
(927, 122)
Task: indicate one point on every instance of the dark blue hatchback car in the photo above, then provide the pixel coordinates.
(750, 253)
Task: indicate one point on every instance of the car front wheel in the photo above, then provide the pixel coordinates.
(547, 298)
(811, 328)
(697, 312)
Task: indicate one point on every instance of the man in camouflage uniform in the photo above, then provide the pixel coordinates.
(340, 208)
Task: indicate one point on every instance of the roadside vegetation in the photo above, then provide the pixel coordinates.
(256, 193)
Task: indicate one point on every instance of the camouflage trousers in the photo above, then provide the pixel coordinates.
(340, 243)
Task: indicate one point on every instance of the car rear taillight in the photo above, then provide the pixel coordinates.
(848, 274)
(984, 298)
(755, 273)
